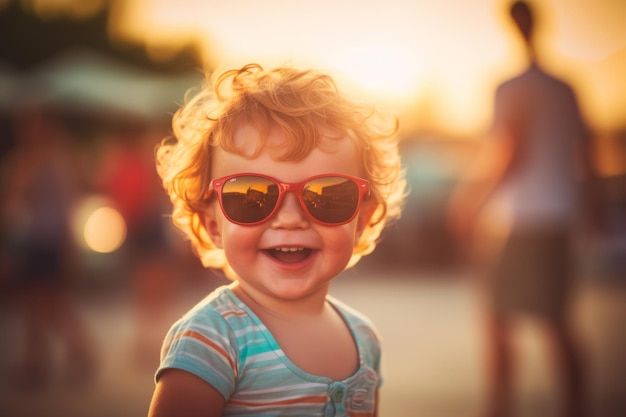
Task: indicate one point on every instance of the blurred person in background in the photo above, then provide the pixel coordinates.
(128, 177)
(536, 167)
(38, 194)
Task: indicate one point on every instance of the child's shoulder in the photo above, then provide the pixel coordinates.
(219, 308)
(364, 331)
(353, 317)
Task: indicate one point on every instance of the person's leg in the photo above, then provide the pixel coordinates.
(570, 367)
(500, 362)
(34, 367)
(78, 344)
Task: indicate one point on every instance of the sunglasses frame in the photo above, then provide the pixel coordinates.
(217, 184)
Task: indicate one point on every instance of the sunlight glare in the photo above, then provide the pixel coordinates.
(384, 69)
(397, 53)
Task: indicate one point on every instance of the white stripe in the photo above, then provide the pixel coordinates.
(253, 328)
(208, 365)
(269, 368)
(264, 356)
(284, 388)
(210, 348)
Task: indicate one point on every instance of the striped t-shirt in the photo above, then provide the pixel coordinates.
(223, 342)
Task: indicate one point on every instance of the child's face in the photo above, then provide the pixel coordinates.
(254, 252)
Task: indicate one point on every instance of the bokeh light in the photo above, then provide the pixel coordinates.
(98, 226)
(105, 230)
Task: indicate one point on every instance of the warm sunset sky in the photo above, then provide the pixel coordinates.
(447, 56)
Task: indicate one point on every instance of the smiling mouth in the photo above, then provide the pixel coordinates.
(290, 255)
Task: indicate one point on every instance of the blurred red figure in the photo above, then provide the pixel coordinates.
(129, 179)
(39, 194)
(539, 147)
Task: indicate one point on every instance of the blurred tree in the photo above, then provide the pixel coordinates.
(28, 39)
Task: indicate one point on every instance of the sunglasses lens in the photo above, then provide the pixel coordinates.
(249, 199)
(331, 199)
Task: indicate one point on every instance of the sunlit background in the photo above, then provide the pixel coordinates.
(446, 55)
(116, 70)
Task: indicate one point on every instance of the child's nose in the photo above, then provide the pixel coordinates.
(290, 214)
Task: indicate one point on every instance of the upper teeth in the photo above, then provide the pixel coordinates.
(288, 249)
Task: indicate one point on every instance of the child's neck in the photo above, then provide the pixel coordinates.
(289, 310)
(299, 326)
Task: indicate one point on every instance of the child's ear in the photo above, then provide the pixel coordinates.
(212, 227)
(368, 207)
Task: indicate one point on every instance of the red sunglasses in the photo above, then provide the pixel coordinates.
(249, 199)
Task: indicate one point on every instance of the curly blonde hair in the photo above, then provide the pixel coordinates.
(304, 106)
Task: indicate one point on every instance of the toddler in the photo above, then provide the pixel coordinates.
(282, 183)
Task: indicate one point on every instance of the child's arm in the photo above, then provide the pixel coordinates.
(181, 394)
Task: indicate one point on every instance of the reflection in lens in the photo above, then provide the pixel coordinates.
(331, 199)
(249, 199)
